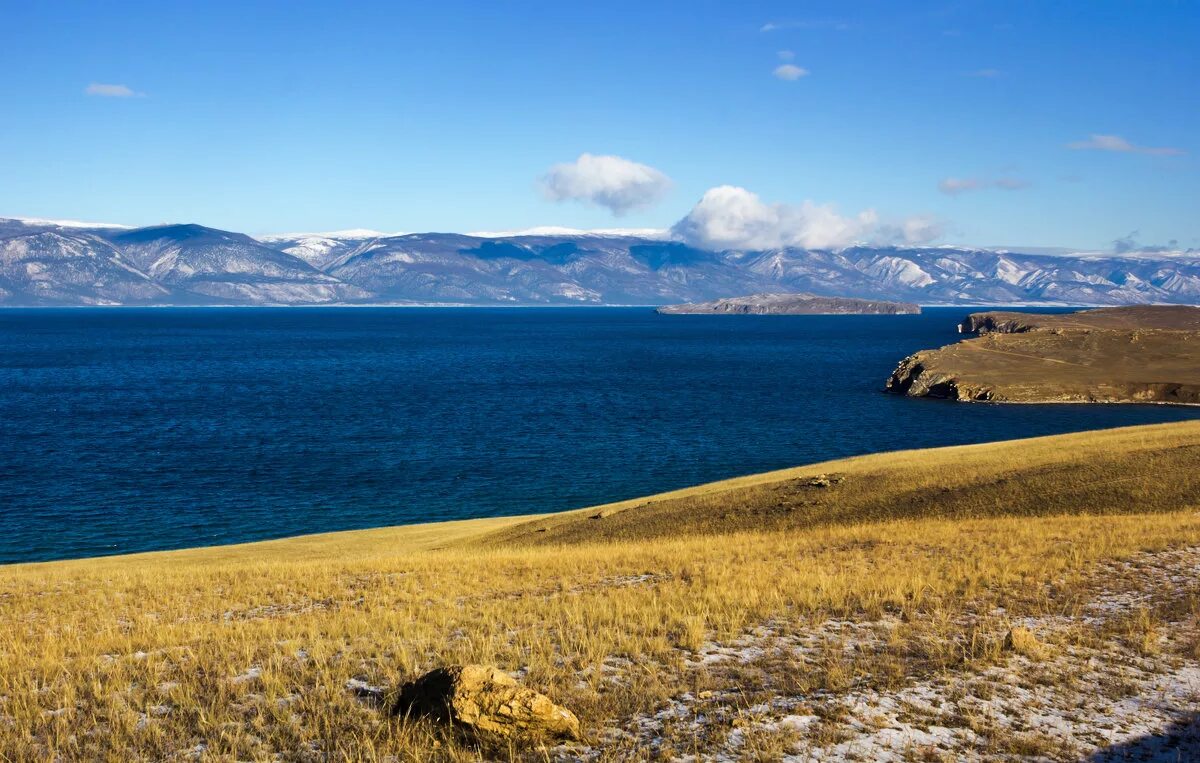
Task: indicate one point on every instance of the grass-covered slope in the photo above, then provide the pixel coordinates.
(249, 652)
(1120, 471)
(1126, 318)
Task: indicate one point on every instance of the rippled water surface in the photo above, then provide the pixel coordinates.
(127, 430)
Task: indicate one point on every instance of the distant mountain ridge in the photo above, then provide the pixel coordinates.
(45, 262)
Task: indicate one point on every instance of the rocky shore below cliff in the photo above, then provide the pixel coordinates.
(1137, 354)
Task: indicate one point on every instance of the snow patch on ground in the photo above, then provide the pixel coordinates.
(1092, 696)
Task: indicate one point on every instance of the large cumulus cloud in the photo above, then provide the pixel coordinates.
(730, 217)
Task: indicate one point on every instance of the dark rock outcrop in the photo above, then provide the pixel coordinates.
(915, 378)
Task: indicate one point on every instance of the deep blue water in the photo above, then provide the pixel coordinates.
(128, 430)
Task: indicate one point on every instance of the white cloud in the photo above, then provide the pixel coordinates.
(954, 186)
(790, 72)
(984, 73)
(920, 229)
(834, 24)
(916, 230)
(612, 182)
(786, 55)
(729, 217)
(1010, 184)
(111, 91)
(1117, 143)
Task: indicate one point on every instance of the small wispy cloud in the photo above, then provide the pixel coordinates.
(953, 186)
(613, 182)
(790, 72)
(916, 230)
(1129, 243)
(1119, 144)
(112, 91)
(832, 24)
(786, 55)
(984, 73)
(1010, 183)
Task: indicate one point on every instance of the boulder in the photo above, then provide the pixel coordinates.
(1022, 641)
(486, 701)
(825, 480)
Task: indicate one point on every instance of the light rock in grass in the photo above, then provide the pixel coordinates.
(1023, 642)
(486, 701)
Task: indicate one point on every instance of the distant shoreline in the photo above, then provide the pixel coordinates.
(457, 305)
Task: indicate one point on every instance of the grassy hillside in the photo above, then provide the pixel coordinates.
(248, 652)
(1120, 471)
(1125, 318)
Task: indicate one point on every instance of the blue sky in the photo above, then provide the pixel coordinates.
(266, 117)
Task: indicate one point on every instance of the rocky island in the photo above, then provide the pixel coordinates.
(1135, 354)
(792, 304)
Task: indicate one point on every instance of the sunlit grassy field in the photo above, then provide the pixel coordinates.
(246, 652)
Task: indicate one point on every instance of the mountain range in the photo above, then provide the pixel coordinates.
(45, 263)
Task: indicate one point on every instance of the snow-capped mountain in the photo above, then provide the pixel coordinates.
(55, 263)
(323, 249)
(69, 266)
(227, 267)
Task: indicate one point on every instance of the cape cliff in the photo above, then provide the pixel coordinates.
(1137, 354)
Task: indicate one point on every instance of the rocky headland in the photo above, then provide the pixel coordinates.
(1136, 354)
(792, 304)
(1133, 317)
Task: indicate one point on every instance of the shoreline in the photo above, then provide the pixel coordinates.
(1052, 402)
(973, 401)
(457, 305)
(438, 531)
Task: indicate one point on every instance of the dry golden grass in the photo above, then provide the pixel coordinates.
(245, 652)
(1118, 471)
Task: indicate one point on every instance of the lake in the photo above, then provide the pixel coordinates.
(128, 430)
